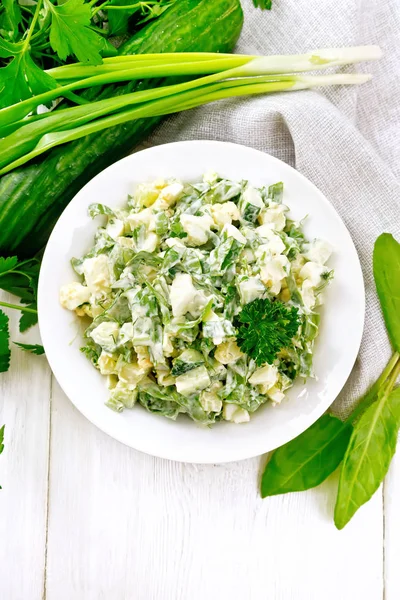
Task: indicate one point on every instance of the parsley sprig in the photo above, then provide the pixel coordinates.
(265, 328)
(42, 35)
(20, 279)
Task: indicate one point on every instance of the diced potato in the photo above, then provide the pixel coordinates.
(248, 254)
(115, 228)
(184, 297)
(250, 289)
(97, 275)
(228, 352)
(106, 335)
(224, 213)
(171, 242)
(106, 364)
(197, 228)
(171, 193)
(125, 242)
(273, 271)
(73, 295)
(234, 413)
(151, 242)
(147, 193)
(267, 375)
(144, 217)
(319, 252)
(312, 272)
(143, 357)
(210, 401)
(274, 244)
(274, 216)
(276, 395)
(131, 373)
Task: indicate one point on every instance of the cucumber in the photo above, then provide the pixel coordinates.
(34, 196)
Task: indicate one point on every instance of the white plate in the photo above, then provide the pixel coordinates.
(183, 440)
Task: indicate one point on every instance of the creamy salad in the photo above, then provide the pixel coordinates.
(201, 298)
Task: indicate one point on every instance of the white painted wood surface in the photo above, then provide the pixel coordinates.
(84, 518)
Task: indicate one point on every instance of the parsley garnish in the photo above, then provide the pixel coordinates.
(265, 327)
(20, 279)
(43, 34)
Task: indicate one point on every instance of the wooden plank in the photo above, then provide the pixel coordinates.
(127, 526)
(24, 409)
(392, 530)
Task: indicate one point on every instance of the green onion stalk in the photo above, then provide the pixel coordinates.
(25, 135)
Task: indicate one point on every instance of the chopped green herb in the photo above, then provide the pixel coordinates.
(265, 328)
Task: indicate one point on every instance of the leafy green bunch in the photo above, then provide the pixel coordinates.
(366, 441)
(37, 35)
(20, 279)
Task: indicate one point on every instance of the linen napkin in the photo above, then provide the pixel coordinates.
(346, 140)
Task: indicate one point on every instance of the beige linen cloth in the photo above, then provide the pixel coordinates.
(345, 140)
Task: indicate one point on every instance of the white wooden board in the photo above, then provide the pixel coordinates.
(392, 530)
(24, 409)
(123, 525)
(119, 525)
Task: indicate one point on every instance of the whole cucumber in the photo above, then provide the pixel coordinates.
(33, 196)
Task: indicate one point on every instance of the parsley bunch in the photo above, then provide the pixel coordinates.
(20, 279)
(40, 35)
(265, 327)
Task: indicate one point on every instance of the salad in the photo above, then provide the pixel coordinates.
(201, 298)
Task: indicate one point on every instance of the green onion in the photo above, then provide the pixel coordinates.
(174, 103)
(155, 65)
(25, 137)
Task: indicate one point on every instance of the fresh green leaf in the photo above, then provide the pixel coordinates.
(118, 17)
(10, 18)
(70, 32)
(4, 343)
(275, 192)
(8, 49)
(367, 459)
(33, 348)
(20, 279)
(7, 264)
(386, 263)
(28, 319)
(265, 327)
(22, 79)
(263, 4)
(309, 459)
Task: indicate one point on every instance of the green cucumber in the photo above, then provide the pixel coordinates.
(34, 196)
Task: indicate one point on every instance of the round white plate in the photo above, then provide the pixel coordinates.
(341, 324)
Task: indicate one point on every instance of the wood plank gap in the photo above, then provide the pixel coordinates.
(44, 595)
